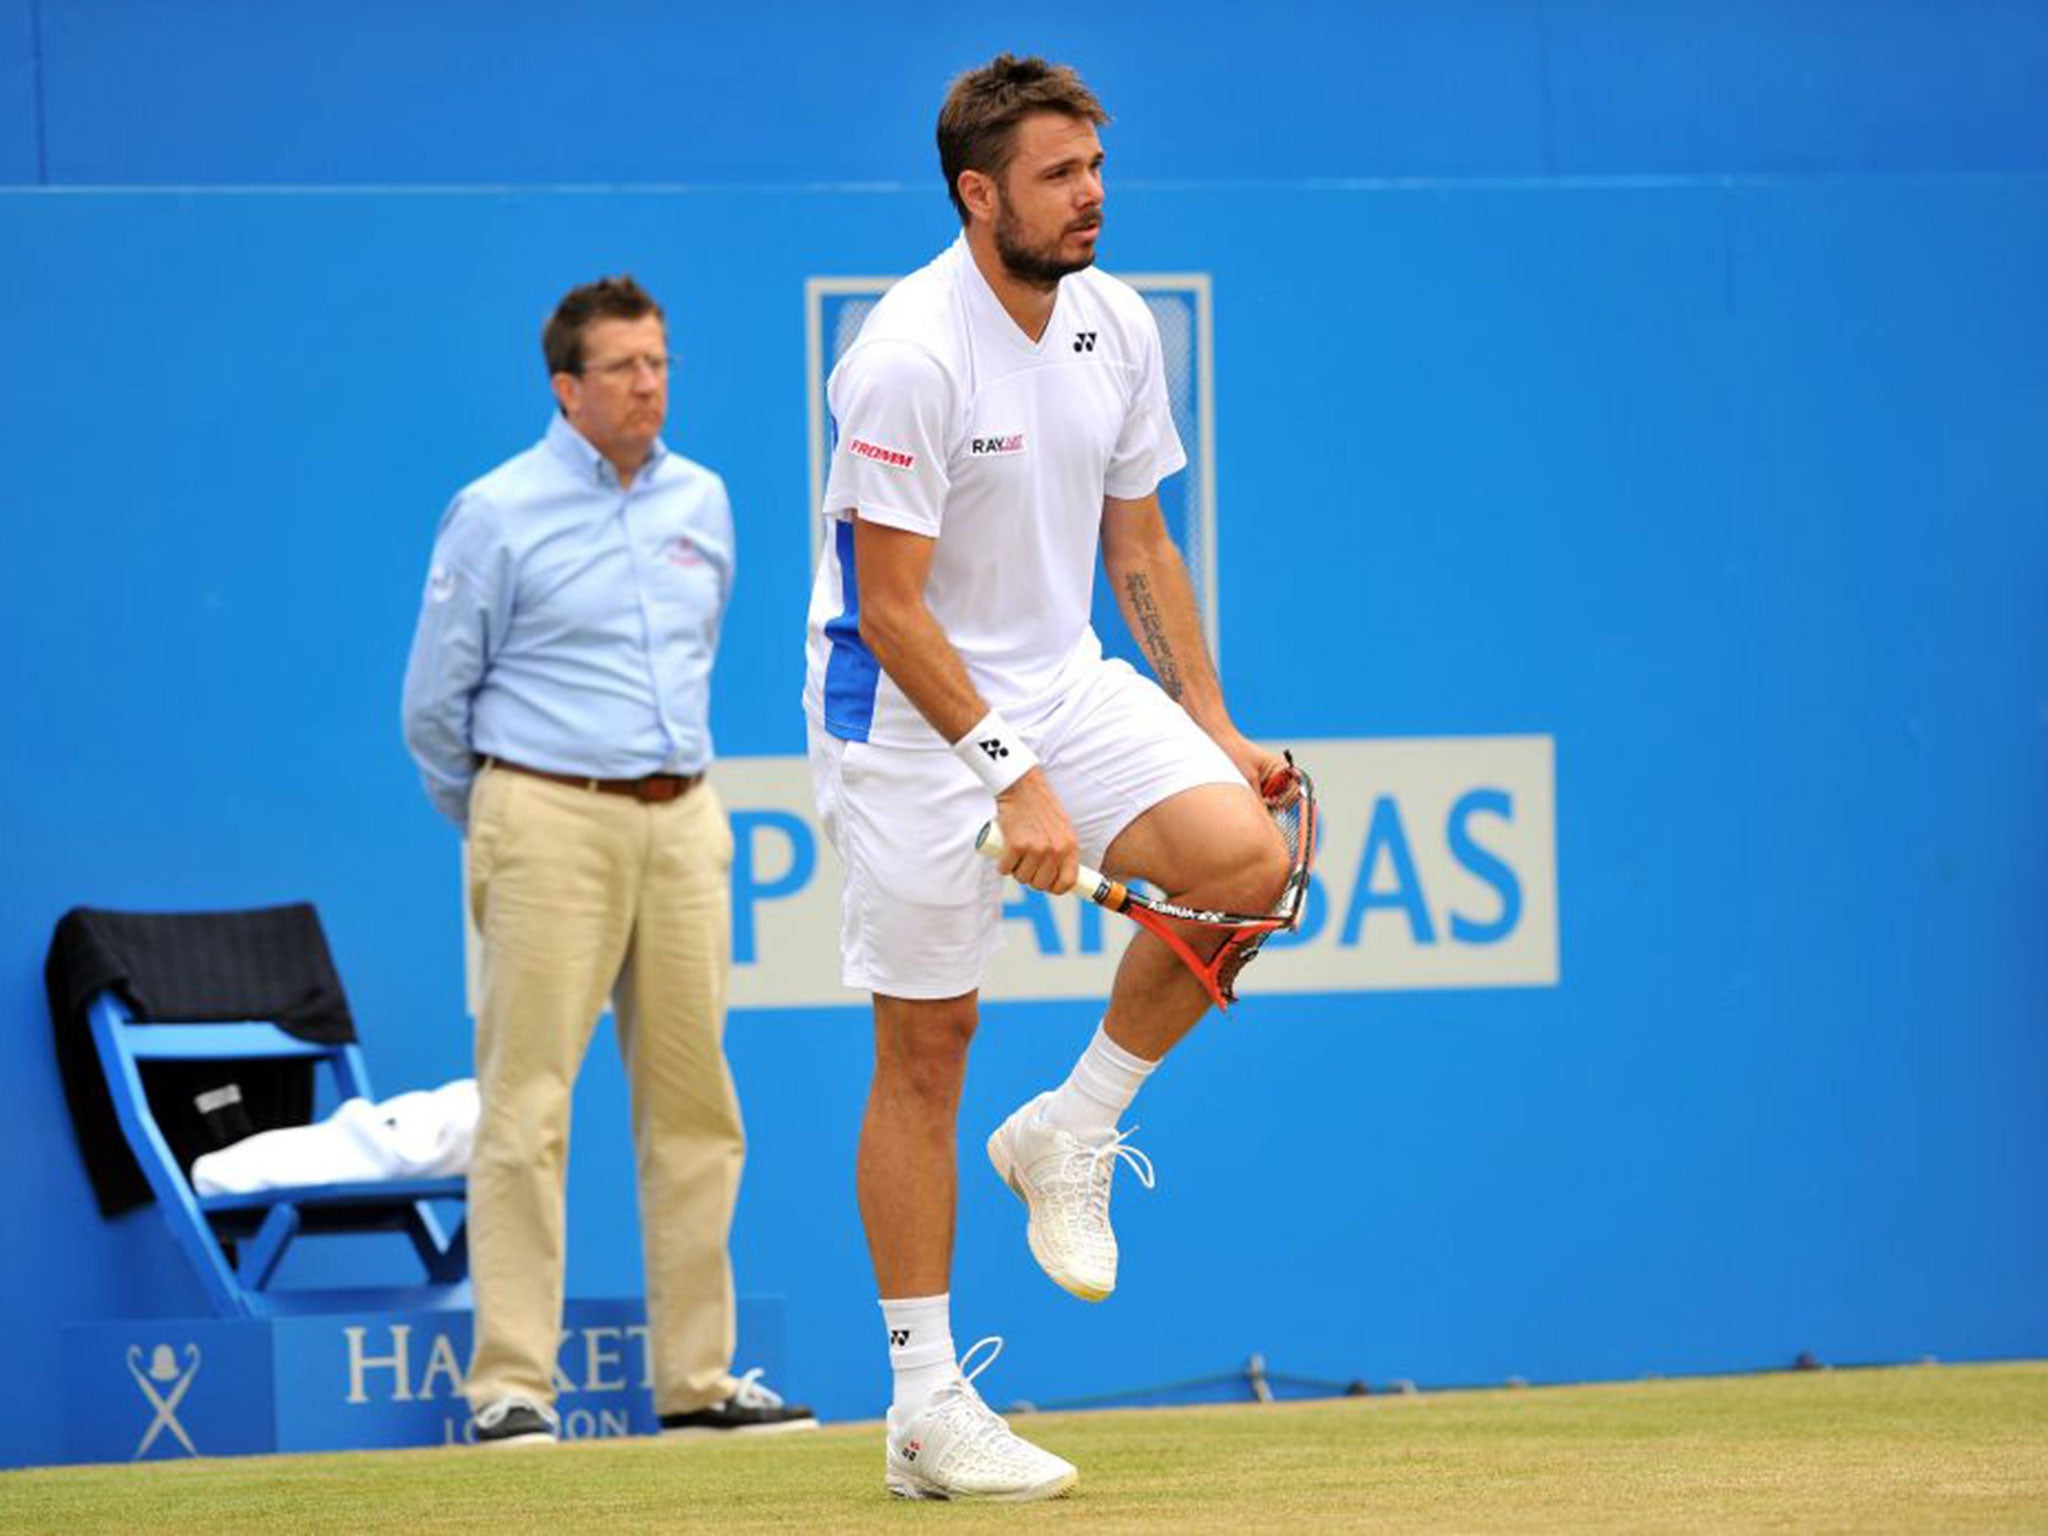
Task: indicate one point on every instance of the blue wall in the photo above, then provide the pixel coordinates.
(1629, 421)
(380, 92)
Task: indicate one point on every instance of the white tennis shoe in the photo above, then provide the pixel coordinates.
(957, 1447)
(1064, 1184)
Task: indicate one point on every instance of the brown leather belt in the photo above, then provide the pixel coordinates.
(655, 789)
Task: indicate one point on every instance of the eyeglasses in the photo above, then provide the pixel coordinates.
(656, 363)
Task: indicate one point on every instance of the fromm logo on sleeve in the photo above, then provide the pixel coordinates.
(895, 458)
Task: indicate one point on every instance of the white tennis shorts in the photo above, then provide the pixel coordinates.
(922, 911)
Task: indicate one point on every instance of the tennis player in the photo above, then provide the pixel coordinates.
(1001, 417)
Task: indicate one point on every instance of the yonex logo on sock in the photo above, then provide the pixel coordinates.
(898, 1337)
(994, 748)
(1084, 341)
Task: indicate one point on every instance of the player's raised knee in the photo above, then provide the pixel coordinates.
(1252, 868)
(1268, 869)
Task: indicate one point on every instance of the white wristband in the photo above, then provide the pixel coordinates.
(995, 752)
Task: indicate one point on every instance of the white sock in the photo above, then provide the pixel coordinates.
(1098, 1090)
(920, 1348)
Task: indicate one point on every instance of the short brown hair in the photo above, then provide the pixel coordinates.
(978, 123)
(609, 298)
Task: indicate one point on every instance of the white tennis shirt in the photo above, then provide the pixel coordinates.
(949, 421)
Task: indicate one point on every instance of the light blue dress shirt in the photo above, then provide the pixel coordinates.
(570, 624)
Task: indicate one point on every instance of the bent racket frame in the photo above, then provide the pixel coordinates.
(1290, 799)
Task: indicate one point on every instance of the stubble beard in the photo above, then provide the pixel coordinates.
(1039, 267)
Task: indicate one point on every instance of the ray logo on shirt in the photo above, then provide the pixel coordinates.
(1010, 443)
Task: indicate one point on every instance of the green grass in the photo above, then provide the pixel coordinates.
(1926, 1448)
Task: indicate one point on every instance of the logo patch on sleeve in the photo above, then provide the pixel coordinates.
(895, 458)
(981, 447)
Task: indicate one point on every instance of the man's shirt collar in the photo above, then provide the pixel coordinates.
(590, 465)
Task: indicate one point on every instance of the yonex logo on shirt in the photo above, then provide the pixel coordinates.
(1084, 341)
(890, 456)
(1014, 443)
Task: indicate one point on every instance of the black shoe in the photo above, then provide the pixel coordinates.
(513, 1421)
(752, 1410)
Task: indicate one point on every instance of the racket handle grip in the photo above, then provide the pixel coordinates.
(1091, 883)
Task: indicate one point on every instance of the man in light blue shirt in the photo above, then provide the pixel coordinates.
(557, 703)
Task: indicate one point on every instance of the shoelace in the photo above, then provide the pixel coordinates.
(751, 1394)
(984, 1430)
(1100, 1167)
(995, 1343)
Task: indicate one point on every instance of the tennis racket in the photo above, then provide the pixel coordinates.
(1290, 798)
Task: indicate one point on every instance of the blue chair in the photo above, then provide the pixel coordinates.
(236, 1242)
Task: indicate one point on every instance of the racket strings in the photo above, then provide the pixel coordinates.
(1291, 803)
(1293, 809)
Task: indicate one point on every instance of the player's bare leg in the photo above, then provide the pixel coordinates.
(906, 1173)
(942, 1441)
(1212, 846)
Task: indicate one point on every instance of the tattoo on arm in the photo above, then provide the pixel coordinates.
(1152, 634)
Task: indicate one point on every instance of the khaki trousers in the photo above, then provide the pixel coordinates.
(578, 895)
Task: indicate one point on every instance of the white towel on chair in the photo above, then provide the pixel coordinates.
(424, 1135)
